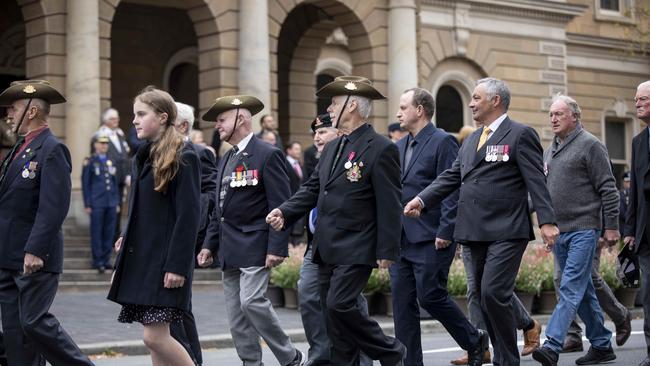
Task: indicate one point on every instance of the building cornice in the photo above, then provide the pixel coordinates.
(532, 9)
(576, 39)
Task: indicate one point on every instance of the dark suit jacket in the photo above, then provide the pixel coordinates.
(636, 222)
(160, 234)
(209, 176)
(121, 159)
(32, 210)
(358, 222)
(493, 202)
(434, 152)
(310, 160)
(238, 232)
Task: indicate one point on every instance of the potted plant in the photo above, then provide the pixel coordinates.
(373, 287)
(285, 276)
(457, 284)
(528, 283)
(546, 268)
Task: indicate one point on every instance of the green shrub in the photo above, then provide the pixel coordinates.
(529, 278)
(286, 275)
(379, 281)
(457, 280)
(608, 268)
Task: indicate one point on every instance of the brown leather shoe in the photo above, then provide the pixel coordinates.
(572, 344)
(624, 330)
(531, 339)
(464, 359)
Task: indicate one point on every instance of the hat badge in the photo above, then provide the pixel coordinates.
(236, 101)
(350, 86)
(29, 89)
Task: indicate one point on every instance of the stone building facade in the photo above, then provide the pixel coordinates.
(102, 52)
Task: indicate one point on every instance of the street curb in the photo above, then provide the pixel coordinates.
(296, 335)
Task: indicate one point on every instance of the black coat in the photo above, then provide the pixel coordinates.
(160, 234)
(32, 210)
(493, 202)
(638, 218)
(238, 232)
(310, 160)
(209, 176)
(358, 222)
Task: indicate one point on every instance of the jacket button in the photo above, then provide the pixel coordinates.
(475, 180)
(221, 219)
(325, 193)
(474, 201)
(130, 249)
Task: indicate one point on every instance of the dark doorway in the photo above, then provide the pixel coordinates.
(449, 109)
(184, 83)
(323, 103)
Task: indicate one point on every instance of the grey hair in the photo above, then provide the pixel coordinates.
(571, 103)
(364, 105)
(494, 87)
(108, 113)
(185, 112)
(644, 85)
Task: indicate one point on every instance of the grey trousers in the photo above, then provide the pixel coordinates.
(250, 315)
(608, 302)
(522, 318)
(313, 316)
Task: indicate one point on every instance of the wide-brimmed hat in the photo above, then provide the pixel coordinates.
(229, 102)
(103, 139)
(323, 120)
(350, 85)
(26, 89)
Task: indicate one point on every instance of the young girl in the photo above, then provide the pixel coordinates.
(153, 274)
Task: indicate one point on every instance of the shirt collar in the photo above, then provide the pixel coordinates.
(497, 122)
(244, 142)
(291, 160)
(354, 135)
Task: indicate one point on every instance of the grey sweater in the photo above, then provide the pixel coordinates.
(580, 180)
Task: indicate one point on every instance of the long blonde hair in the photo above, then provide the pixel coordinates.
(165, 152)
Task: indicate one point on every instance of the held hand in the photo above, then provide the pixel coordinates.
(118, 244)
(172, 280)
(550, 233)
(88, 210)
(629, 241)
(442, 243)
(275, 219)
(611, 237)
(384, 263)
(273, 260)
(601, 243)
(32, 264)
(127, 181)
(204, 258)
(413, 209)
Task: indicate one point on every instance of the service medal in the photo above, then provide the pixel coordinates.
(25, 174)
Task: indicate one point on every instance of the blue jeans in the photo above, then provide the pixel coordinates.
(574, 252)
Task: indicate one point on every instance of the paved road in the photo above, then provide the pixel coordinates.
(439, 349)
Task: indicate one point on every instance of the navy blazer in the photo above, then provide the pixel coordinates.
(209, 176)
(358, 221)
(238, 232)
(160, 234)
(32, 210)
(98, 183)
(493, 201)
(434, 152)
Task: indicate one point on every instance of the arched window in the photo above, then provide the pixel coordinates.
(323, 103)
(449, 109)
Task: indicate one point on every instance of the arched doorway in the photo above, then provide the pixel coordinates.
(12, 57)
(449, 109)
(318, 41)
(140, 55)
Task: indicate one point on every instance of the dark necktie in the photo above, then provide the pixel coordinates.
(337, 157)
(409, 153)
(9, 158)
(225, 175)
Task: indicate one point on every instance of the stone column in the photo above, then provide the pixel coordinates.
(402, 52)
(254, 53)
(81, 88)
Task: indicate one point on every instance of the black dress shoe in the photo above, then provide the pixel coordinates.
(545, 356)
(475, 356)
(572, 345)
(624, 330)
(595, 356)
(101, 269)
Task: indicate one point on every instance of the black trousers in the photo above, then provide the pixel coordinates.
(421, 275)
(186, 334)
(349, 328)
(496, 265)
(3, 356)
(31, 334)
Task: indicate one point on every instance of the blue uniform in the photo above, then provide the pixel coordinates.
(100, 192)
